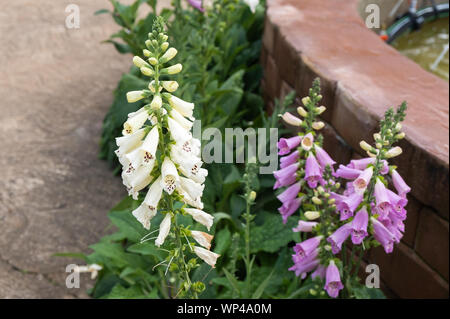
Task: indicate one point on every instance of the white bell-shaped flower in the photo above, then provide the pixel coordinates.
(134, 123)
(154, 195)
(185, 108)
(202, 238)
(170, 178)
(207, 256)
(164, 229)
(201, 217)
(144, 214)
(185, 123)
(177, 132)
(195, 190)
(129, 142)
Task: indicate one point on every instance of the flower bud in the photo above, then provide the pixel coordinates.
(365, 146)
(291, 119)
(400, 136)
(326, 195)
(164, 37)
(377, 136)
(320, 109)
(135, 96)
(371, 154)
(155, 43)
(174, 69)
(156, 102)
(306, 100)
(146, 53)
(312, 215)
(320, 189)
(139, 62)
(170, 86)
(316, 200)
(398, 127)
(318, 125)
(169, 55)
(148, 44)
(327, 247)
(302, 112)
(331, 201)
(153, 61)
(319, 97)
(378, 145)
(338, 185)
(152, 87)
(393, 152)
(164, 46)
(147, 71)
(252, 196)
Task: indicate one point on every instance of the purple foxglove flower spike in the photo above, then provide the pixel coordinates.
(381, 197)
(286, 176)
(290, 208)
(337, 197)
(399, 184)
(323, 158)
(285, 145)
(313, 174)
(359, 226)
(348, 205)
(338, 237)
(333, 282)
(290, 193)
(197, 4)
(306, 247)
(289, 159)
(304, 226)
(347, 173)
(360, 184)
(383, 235)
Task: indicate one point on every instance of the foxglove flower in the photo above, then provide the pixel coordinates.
(285, 145)
(381, 197)
(333, 280)
(338, 237)
(202, 238)
(252, 4)
(197, 4)
(347, 173)
(307, 142)
(313, 174)
(304, 226)
(399, 184)
(289, 159)
(362, 181)
(164, 229)
(348, 205)
(383, 235)
(323, 158)
(286, 176)
(359, 226)
(201, 217)
(307, 247)
(207, 256)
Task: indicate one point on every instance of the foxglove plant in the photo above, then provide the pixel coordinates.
(157, 150)
(365, 211)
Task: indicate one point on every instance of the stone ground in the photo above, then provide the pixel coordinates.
(56, 85)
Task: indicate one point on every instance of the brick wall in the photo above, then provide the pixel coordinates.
(362, 76)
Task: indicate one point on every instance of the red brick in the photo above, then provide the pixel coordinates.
(432, 241)
(288, 59)
(411, 222)
(272, 79)
(407, 275)
(338, 149)
(269, 36)
(352, 121)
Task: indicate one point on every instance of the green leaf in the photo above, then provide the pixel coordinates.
(101, 11)
(272, 235)
(222, 241)
(260, 290)
(232, 280)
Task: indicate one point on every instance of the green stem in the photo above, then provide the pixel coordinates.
(247, 249)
